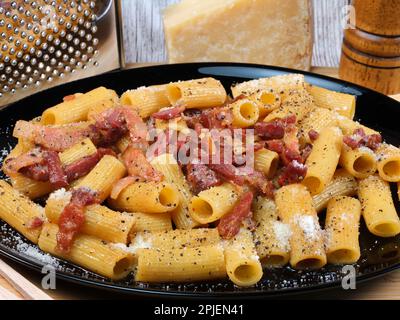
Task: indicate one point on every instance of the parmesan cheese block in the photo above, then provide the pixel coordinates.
(254, 31)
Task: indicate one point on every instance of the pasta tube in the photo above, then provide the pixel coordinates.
(103, 176)
(389, 162)
(18, 211)
(266, 101)
(147, 100)
(180, 239)
(123, 143)
(318, 119)
(77, 109)
(242, 262)
(342, 184)
(275, 84)
(342, 103)
(298, 103)
(323, 160)
(167, 165)
(341, 229)
(360, 162)
(31, 188)
(36, 189)
(152, 222)
(271, 236)
(199, 93)
(177, 124)
(90, 253)
(100, 221)
(148, 197)
(377, 207)
(78, 151)
(21, 147)
(212, 204)
(348, 126)
(178, 265)
(266, 161)
(295, 208)
(245, 113)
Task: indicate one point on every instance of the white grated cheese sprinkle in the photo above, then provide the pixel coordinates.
(35, 253)
(255, 257)
(120, 246)
(60, 194)
(282, 233)
(309, 225)
(138, 243)
(3, 154)
(371, 152)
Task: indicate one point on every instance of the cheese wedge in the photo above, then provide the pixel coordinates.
(254, 31)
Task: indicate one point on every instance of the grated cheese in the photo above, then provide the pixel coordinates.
(282, 233)
(138, 243)
(255, 257)
(60, 194)
(309, 226)
(36, 253)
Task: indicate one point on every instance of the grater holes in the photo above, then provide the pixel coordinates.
(36, 52)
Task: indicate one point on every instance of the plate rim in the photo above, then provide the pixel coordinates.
(97, 284)
(65, 276)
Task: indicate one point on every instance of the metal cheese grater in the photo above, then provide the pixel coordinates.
(47, 42)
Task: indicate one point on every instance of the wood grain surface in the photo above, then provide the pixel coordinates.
(144, 35)
(385, 287)
(371, 51)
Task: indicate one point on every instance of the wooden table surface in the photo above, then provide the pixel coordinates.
(385, 287)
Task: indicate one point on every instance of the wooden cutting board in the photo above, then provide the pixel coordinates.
(386, 287)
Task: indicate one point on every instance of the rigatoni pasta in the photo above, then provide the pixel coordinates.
(153, 222)
(215, 206)
(342, 184)
(242, 262)
(342, 103)
(271, 237)
(323, 160)
(147, 99)
(181, 238)
(317, 120)
(78, 151)
(78, 108)
(168, 166)
(31, 188)
(267, 101)
(201, 93)
(295, 207)
(389, 162)
(20, 212)
(341, 230)
(90, 252)
(266, 161)
(245, 113)
(298, 103)
(360, 162)
(276, 84)
(377, 207)
(212, 204)
(102, 177)
(100, 221)
(147, 197)
(180, 265)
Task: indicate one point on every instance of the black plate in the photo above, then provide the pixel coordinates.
(373, 109)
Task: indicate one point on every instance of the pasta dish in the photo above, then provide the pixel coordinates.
(184, 181)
